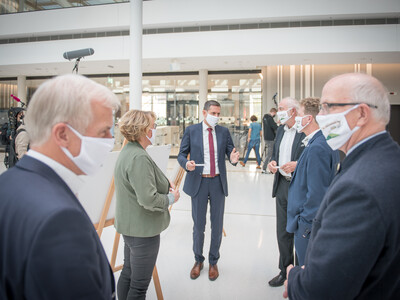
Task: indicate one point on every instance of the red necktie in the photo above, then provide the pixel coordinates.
(212, 154)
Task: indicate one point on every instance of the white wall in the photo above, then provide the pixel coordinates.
(170, 13)
(218, 12)
(255, 48)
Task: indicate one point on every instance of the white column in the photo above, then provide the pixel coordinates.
(269, 88)
(369, 69)
(280, 83)
(307, 81)
(264, 91)
(203, 91)
(21, 83)
(135, 59)
(301, 82)
(312, 81)
(292, 81)
(278, 90)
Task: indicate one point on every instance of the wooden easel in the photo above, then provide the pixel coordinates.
(105, 223)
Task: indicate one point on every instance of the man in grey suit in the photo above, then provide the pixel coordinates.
(208, 144)
(287, 150)
(353, 252)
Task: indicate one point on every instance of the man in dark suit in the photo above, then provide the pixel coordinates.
(314, 172)
(49, 248)
(208, 144)
(287, 150)
(353, 252)
(269, 131)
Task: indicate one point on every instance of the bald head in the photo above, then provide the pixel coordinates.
(358, 87)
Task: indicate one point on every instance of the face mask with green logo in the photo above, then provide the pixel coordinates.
(336, 129)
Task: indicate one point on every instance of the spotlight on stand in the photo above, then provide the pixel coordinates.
(78, 54)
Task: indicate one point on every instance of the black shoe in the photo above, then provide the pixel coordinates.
(277, 281)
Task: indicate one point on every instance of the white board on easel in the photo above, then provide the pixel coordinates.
(93, 193)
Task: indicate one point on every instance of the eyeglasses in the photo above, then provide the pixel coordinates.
(324, 107)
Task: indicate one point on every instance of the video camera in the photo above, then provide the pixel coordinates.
(12, 119)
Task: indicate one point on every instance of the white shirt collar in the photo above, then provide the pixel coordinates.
(286, 128)
(363, 141)
(205, 126)
(309, 137)
(73, 181)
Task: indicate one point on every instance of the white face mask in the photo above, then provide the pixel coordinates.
(298, 121)
(212, 120)
(336, 129)
(283, 116)
(93, 152)
(153, 136)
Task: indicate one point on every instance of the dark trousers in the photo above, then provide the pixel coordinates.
(140, 255)
(285, 239)
(210, 191)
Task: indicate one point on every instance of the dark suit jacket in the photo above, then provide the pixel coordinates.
(314, 172)
(297, 149)
(269, 127)
(48, 246)
(354, 249)
(192, 142)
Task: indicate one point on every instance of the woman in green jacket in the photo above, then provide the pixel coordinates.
(143, 195)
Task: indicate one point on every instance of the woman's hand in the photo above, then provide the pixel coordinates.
(175, 193)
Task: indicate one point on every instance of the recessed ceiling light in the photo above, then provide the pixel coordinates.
(110, 66)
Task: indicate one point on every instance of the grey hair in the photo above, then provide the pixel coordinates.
(369, 90)
(209, 103)
(292, 102)
(65, 99)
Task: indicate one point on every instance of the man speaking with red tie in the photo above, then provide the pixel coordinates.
(208, 144)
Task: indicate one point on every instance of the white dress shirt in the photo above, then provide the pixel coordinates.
(73, 181)
(309, 137)
(285, 148)
(206, 147)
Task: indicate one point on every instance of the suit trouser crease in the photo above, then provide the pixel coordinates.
(270, 147)
(140, 255)
(256, 145)
(210, 191)
(285, 239)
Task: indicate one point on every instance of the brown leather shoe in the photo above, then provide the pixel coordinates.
(258, 167)
(213, 272)
(242, 163)
(195, 272)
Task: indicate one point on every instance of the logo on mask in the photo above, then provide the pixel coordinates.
(336, 129)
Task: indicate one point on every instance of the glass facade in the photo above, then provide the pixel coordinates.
(6, 89)
(15, 6)
(175, 100)
(240, 98)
